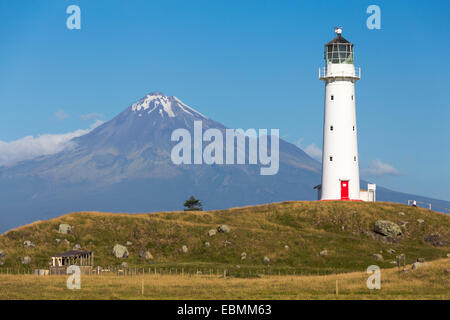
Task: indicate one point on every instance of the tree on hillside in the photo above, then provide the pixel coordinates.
(193, 204)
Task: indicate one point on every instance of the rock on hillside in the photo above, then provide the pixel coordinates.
(387, 228)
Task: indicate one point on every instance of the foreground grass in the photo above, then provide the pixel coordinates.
(428, 282)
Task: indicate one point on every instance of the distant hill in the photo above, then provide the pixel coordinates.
(291, 234)
(124, 166)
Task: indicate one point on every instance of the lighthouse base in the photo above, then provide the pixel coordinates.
(365, 195)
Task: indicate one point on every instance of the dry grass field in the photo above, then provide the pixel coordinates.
(428, 282)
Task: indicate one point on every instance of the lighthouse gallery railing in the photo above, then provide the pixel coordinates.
(323, 73)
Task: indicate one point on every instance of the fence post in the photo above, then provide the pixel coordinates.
(337, 287)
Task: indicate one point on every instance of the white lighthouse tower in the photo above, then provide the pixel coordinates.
(340, 168)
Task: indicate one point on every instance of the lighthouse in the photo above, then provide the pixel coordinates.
(340, 163)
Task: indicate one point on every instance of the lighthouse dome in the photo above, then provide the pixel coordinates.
(339, 50)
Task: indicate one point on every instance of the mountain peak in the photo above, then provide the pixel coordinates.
(158, 103)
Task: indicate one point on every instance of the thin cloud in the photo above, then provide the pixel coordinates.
(92, 116)
(30, 147)
(299, 142)
(312, 150)
(61, 115)
(380, 168)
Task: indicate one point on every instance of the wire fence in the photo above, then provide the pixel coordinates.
(428, 205)
(186, 272)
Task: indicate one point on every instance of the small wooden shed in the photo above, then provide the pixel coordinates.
(82, 258)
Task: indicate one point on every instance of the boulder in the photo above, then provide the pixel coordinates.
(323, 253)
(207, 244)
(184, 249)
(243, 255)
(391, 251)
(224, 228)
(378, 257)
(65, 228)
(226, 243)
(420, 221)
(58, 241)
(129, 243)
(435, 239)
(448, 255)
(77, 247)
(417, 265)
(212, 232)
(387, 228)
(145, 254)
(120, 251)
(28, 244)
(286, 247)
(266, 260)
(25, 260)
(401, 214)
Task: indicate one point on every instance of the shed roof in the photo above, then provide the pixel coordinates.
(72, 253)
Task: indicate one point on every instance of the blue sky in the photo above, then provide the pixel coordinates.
(249, 64)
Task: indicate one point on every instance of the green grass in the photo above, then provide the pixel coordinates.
(343, 228)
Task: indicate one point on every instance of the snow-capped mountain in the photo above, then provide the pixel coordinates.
(124, 165)
(159, 104)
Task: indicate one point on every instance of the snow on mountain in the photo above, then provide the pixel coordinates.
(163, 105)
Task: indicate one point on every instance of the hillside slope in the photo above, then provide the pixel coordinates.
(344, 229)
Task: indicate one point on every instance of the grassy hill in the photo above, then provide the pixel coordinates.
(344, 229)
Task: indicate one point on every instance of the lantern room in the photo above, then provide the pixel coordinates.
(339, 50)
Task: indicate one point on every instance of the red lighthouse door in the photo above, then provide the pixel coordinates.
(344, 190)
